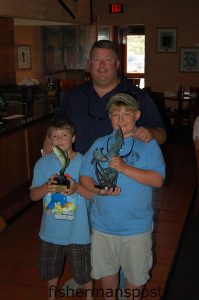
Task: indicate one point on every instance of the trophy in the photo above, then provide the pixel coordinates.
(62, 181)
(107, 177)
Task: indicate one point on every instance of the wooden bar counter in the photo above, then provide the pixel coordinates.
(21, 139)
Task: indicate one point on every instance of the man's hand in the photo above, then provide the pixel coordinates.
(143, 134)
(47, 146)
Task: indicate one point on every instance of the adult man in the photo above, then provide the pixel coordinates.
(86, 104)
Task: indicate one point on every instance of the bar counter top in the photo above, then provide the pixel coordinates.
(17, 116)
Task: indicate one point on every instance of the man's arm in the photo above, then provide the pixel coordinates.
(159, 134)
(47, 146)
(147, 134)
(60, 113)
(150, 123)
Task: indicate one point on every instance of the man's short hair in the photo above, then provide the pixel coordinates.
(105, 44)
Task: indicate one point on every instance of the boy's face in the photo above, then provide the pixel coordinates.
(125, 118)
(62, 138)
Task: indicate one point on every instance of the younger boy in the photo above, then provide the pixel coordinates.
(122, 217)
(64, 228)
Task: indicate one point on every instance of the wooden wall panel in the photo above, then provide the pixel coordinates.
(14, 167)
(36, 136)
(7, 52)
(19, 151)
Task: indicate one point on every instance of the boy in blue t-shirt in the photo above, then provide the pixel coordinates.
(64, 228)
(122, 216)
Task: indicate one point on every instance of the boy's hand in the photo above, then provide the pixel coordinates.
(117, 163)
(52, 183)
(112, 192)
(68, 191)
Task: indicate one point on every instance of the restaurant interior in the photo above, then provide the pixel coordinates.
(44, 52)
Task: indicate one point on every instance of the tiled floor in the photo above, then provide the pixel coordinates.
(19, 278)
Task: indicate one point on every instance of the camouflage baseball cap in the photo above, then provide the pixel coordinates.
(126, 98)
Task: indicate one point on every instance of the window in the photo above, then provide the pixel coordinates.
(135, 56)
(135, 53)
(103, 33)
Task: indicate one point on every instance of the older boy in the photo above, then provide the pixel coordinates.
(64, 228)
(122, 217)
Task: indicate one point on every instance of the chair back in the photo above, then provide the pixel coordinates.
(66, 84)
(63, 86)
(193, 113)
(79, 81)
(194, 89)
(135, 81)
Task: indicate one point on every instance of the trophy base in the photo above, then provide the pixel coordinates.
(104, 187)
(63, 181)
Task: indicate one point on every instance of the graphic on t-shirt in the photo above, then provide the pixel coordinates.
(62, 206)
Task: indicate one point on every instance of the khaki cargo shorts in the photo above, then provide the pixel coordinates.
(132, 253)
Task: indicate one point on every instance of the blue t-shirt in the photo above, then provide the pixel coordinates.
(87, 110)
(65, 218)
(131, 211)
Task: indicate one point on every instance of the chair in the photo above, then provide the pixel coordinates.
(193, 113)
(66, 84)
(159, 100)
(135, 81)
(79, 81)
(63, 86)
(194, 89)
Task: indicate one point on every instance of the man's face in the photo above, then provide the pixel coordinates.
(125, 118)
(103, 66)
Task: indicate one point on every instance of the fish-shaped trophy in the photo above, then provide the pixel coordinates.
(62, 181)
(107, 177)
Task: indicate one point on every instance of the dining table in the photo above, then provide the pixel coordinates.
(177, 105)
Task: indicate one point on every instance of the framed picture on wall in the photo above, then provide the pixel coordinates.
(24, 57)
(166, 40)
(189, 59)
(67, 47)
(53, 48)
